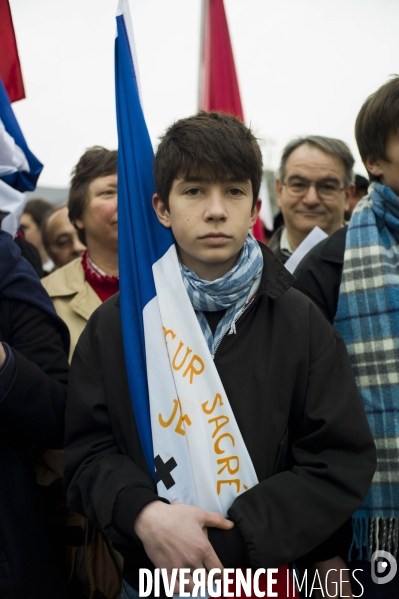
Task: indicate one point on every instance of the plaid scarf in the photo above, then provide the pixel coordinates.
(231, 292)
(368, 319)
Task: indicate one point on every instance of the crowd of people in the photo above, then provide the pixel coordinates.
(309, 363)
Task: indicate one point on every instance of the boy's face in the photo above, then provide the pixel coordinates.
(388, 171)
(210, 222)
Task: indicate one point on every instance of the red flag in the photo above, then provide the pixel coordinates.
(10, 69)
(219, 85)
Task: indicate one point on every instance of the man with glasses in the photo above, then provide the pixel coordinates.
(313, 189)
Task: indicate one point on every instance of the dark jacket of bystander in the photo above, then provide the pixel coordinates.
(32, 403)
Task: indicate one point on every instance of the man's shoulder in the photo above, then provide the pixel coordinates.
(319, 274)
(65, 280)
(330, 249)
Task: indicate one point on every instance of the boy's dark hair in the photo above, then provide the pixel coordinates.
(377, 120)
(95, 162)
(38, 209)
(208, 145)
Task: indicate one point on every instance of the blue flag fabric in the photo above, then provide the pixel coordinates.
(142, 239)
(19, 180)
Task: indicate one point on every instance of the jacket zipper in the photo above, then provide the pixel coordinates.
(245, 308)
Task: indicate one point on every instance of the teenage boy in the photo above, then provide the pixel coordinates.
(284, 370)
(354, 279)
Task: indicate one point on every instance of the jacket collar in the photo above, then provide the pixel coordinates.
(66, 280)
(275, 277)
(69, 280)
(85, 302)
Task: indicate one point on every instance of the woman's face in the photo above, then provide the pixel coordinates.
(100, 216)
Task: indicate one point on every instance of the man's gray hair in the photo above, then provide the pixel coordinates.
(329, 145)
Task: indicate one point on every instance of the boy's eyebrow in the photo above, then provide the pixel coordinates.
(202, 179)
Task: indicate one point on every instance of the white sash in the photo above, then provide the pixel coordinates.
(200, 456)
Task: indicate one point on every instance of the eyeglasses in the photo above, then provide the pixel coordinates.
(326, 189)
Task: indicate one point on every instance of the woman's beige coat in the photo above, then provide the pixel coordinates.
(73, 298)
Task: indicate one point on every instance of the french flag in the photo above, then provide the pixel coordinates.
(19, 167)
(142, 239)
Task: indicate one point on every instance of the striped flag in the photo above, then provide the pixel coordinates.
(19, 168)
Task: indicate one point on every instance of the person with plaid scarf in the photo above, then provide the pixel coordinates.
(353, 277)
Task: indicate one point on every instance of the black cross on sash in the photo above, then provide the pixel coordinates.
(163, 471)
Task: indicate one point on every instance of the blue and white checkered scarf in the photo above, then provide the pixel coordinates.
(368, 319)
(231, 292)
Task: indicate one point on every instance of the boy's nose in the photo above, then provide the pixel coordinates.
(216, 206)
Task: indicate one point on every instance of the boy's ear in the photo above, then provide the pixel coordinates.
(161, 211)
(255, 211)
(373, 165)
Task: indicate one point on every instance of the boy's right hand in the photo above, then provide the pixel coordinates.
(174, 536)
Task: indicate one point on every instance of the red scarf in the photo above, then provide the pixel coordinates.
(102, 284)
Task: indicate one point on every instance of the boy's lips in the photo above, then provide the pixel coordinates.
(215, 236)
(215, 239)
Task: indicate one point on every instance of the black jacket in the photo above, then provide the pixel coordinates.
(319, 273)
(32, 405)
(290, 384)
